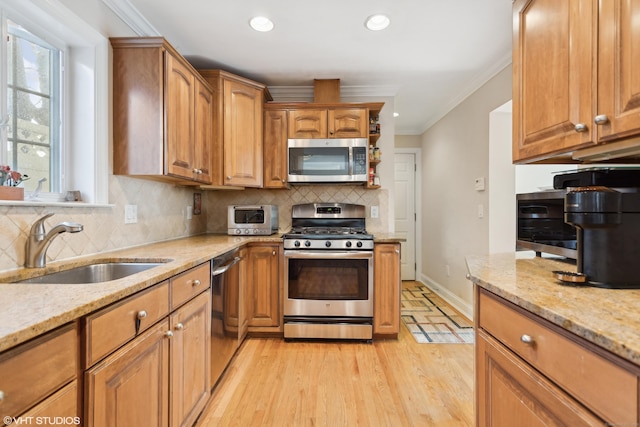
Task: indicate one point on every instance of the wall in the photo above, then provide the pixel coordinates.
(455, 153)
(408, 141)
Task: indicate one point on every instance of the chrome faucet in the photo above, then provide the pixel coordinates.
(38, 241)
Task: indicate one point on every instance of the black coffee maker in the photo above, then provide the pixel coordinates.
(608, 234)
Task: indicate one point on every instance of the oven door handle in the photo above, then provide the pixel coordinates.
(328, 254)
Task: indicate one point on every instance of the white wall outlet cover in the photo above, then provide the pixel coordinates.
(130, 214)
(375, 211)
(479, 184)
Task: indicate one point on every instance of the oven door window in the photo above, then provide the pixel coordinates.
(326, 161)
(249, 216)
(328, 279)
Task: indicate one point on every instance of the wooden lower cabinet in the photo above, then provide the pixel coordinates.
(387, 286)
(263, 287)
(190, 360)
(131, 386)
(511, 393)
(59, 408)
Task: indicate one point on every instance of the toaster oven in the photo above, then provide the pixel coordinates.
(540, 224)
(259, 220)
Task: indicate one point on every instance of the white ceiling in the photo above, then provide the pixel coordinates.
(433, 55)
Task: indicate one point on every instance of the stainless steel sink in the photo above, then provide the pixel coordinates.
(93, 273)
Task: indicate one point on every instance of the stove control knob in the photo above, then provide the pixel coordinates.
(359, 244)
(296, 243)
(307, 243)
(327, 244)
(238, 231)
(348, 244)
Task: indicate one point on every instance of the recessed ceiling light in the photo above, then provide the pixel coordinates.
(377, 22)
(261, 23)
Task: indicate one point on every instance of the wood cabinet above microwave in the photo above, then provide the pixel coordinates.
(328, 123)
(576, 94)
(162, 111)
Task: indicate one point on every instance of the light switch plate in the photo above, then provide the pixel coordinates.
(130, 214)
(479, 184)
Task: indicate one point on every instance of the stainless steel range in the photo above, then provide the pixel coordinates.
(329, 273)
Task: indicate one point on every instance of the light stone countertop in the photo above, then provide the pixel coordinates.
(609, 318)
(30, 309)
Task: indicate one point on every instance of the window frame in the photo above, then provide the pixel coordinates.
(84, 148)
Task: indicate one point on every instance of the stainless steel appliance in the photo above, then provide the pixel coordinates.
(328, 273)
(226, 332)
(540, 224)
(328, 160)
(252, 219)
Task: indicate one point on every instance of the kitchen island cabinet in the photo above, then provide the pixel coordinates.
(162, 113)
(542, 351)
(237, 129)
(575, 94)
(387, 286)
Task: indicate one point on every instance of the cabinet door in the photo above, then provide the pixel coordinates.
(618, 78)
(179, 113)
(275, 149)
(131, 386)
(190, 360)
(203, 133)
(386, 287)
(307, 124)
(348, 123)
(553, 75)
(242, 135)
(510, 393)
(263, 290)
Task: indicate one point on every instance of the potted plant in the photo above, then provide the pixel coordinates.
(9, 181)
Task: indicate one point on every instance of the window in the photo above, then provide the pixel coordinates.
(33, 118)
(54, 100)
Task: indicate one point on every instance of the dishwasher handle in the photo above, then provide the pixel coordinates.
(223, 268)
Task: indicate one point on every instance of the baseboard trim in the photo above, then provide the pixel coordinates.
(451, 298)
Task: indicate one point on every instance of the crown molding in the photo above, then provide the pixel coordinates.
(132, 17)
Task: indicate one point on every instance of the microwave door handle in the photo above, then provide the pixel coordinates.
(350, 162)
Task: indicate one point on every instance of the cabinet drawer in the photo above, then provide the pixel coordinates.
(63, 404)
(34, 370)
(608, 389)
(113, 326)
(189, 284)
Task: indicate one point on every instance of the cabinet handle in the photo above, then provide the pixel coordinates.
(1, 395)
(273, 253)
(196, 283)
(141, 314)
(601, 119)
(228, 178)
(527, 339)
(179, 327)
(168, 334)
(581, 127)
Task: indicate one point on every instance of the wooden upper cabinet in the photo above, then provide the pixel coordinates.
(275, 149)
(553, 77)
(159, 102)
(328, 123)
(237, 129)
(576, 92)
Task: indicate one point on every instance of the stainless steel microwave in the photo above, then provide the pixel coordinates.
(252, 219)
(328, 160)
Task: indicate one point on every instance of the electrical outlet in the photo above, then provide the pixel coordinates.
(480, 211)
(375, 212)
(130, 214)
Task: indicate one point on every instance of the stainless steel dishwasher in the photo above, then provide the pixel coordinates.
(226, 333)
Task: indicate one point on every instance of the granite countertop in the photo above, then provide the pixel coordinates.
(32, 309)
(608, 318)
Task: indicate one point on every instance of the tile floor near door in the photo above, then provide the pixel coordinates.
(271, 382)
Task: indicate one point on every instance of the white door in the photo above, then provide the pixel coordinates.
(405, 211)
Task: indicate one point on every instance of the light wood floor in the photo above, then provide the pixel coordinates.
(271, 382)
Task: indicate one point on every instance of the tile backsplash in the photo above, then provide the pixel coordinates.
(217, 202)
(162, 216)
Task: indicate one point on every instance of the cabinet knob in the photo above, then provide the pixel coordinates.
(179, 327)
(196, 283)
(141, 314)
(601, 119)
(273, 253)
(527, 339)
(581, 127)
(168, 334)
(228, 178)
(331, 132)
(284, 181)
(1, 395)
